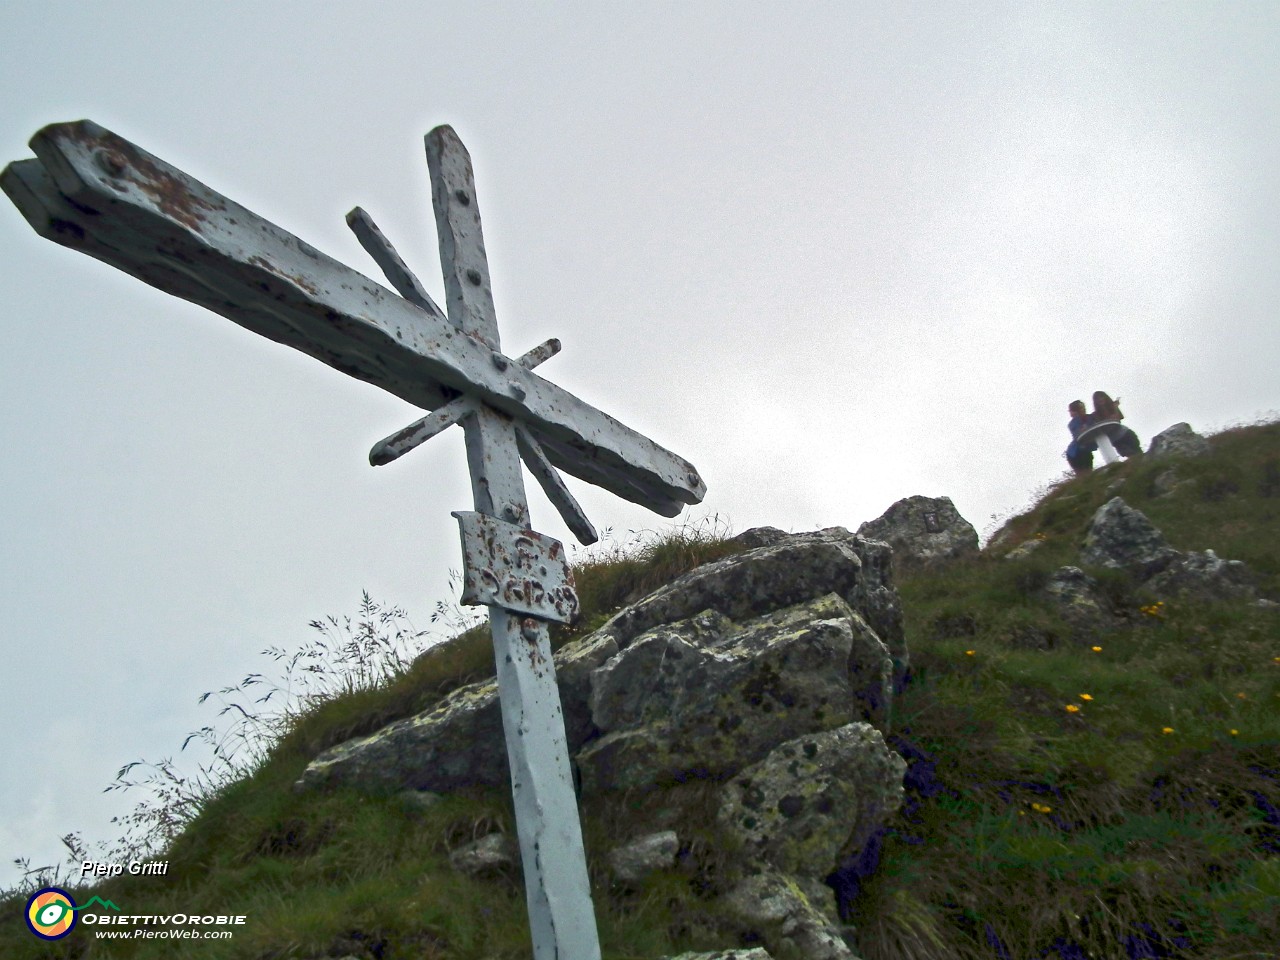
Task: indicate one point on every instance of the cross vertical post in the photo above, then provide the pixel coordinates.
(557, 889)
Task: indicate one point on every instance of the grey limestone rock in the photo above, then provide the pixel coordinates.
(671, 708)
(755, 953)
(495, 854)
(575, 663)
(699, 679)
(1082, 605)
(787, 571)
(777, 910)
(460, 741)
(813, 801)
(923, 529)
(636, 860)
(1178, 441)
(1205, 576)
(1122, 538)
(759, 537)
(419, 800)
(457, 743)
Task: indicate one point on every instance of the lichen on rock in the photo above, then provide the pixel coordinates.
(813, 801)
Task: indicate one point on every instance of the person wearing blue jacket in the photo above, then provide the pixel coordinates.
(1079, 455)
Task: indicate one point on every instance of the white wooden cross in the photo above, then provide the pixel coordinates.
(95, 192)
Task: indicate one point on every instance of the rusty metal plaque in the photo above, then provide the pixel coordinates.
(519, 570)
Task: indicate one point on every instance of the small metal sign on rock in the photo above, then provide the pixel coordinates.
(96, 192)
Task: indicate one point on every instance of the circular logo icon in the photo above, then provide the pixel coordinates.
(51, 913)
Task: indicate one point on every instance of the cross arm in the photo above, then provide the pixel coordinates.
(93, 191)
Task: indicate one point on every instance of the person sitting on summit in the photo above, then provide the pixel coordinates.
(1105, 410)
(1079, 455)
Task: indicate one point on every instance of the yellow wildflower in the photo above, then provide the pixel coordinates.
(1235, 733)
(968, 653)
(1099, 650)
(1072, 708)
(1242, 696)
(1085, 696)
(1166, 729)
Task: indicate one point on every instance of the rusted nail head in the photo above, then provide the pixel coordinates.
(474, 276)
(111, 162)
(499, 360)
(464, 198)
(693, 478)
(517, 391)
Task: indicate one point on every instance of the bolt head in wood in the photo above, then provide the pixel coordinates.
(110, 162)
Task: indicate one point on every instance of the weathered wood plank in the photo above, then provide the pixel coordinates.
(420, 431)
(389, 260)
(110, 199)
(574, 517)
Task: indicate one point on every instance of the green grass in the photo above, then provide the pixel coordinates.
(1145, 819)
(1144, 822)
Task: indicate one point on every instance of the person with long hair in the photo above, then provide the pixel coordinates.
(1105, 410)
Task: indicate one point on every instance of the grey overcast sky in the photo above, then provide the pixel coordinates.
(835, 254)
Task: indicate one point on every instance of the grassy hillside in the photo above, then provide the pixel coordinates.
(1108, 796)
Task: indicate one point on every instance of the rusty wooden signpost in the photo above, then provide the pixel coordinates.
(95, 192)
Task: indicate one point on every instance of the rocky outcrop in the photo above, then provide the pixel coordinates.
(923, 530)
(698, 679)
(766, 678)
(1205, 576)
(1178, 441)
(1120, 537)
(457, 743)
(784, 569)
(702, 698)
(460, 741)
